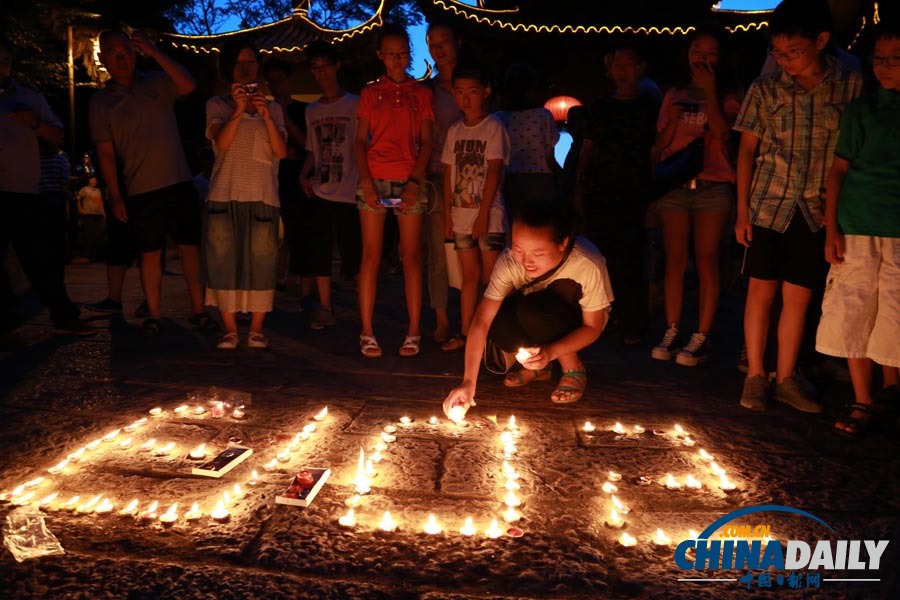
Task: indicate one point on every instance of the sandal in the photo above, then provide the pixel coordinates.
(202, 321)
(852, 427)
(150, 328)
(369, 347)
(522, 377)
(257, 340)
(457, 342)
(570, 392)
(229, 341)
(410, 346)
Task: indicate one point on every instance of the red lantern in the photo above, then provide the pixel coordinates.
(559, 107)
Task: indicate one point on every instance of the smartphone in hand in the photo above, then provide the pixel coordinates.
(390, 202)
(689, 107)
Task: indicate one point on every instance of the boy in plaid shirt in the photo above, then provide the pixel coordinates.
(789, 123)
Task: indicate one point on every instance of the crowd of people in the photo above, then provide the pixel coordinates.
(803, 164)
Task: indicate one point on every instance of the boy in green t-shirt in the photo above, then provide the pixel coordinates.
(861, 309)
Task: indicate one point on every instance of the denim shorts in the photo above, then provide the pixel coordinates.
(489, 241)
(392, 188)
(709, 195)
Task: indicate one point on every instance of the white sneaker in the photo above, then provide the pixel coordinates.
(257, 340)
(229, 341)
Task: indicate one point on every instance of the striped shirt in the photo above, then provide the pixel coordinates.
(797, 131)
(54, 173)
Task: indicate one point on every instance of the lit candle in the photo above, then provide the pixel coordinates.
(70, 503)
(509, 451)
(370, 469)
(512, 500)
(688, 441)
(457, 414)
(493, 531)
(375, 457)
(23, 499)
(353, 501)
(226, 498)
(387, 437)
(164, 450)
(661, 538)
(33, 483)
(638, 429)
(693, 534)
(433, 421)
(254, 478)
(238, 413)
(111, 435)
(219, 513)
(387, 522)
(589, 427)
(672, 483)
(609, 488)
(129, 510)
(126, 443)
(89, 505)
(390, 429)
(284, 455)
(618, 428)
(380, 446)
(679, 430)
(614, 520)
(148, 445)
(523, 355)
(76, 456)
(198, 452)
(218, 410)
(693, 483)
(509, 471)
(627, 540)
(468, 528)
(613, 476)
(309, 427)
(405, 421)
(155, 412)
(295, 442)
(150, 513)
(512, 425)
(512, 485)
(170, 516)
(349, 519)
(725, 483)
(139, 423)
(511, 515)
(237, 492)
(704, 455)
(105, 507)
(320, 416)
(619, 506)
(48, 499)
(716, 468)
(271, 465)
(506, 438)
(93, 445)
(181, 409)
(432, 527)
(194, 514)
(361, 481)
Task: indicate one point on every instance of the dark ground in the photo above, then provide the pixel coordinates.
(60, 394)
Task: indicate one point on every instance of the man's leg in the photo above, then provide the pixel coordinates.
(438, 285)
(151, 282)
(190, 264)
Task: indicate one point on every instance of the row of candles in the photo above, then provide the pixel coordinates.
(286, 454)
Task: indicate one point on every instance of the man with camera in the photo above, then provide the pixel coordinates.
(134, 129)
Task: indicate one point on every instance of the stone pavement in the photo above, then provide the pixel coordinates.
(60, 394)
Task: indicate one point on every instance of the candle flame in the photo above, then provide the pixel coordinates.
(71, 502)
(104, 507)
(618, 504)
(126, 443)
(618, 428)
(639, 429)
(512, 485)
(152, 508)
(111, 435)
(199, 451)
(614, 519)
(219, 512)
(93, 445)
(225, 497)
(468, 527)
(361, 481)
(679, 430)
(609, 488)
(148, 445)
(404, 420)
(76, 456)
(194, 513)
(509, 471)
(716, 468)
(705, 455)
(156, 411)
(725, 483)
(661, 538)
(237, 491)
(163, 450)
(432, 420)
(692, 482)
(23, 499)
(506, 438)
(48, 499)
(181, 409)
(627, 540)
(129, 510)
(254, 477)
(512, 499)
(320, 416)
(511, 515)
(349, 519)
(34, 482)
(493, 531)
(613, 476)
(671, 482)
(271, 465)
(693, 534)
(512, 425)
(432, 527)
(588, 427)
(309, 427)
(387, 522)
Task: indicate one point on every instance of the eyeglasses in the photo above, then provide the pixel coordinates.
(887, 61)
(789, 55)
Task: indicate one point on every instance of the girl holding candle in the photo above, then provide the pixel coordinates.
(549, 293)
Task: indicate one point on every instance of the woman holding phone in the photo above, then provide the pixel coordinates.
(395, 119)
(704, 106)
(241, 229)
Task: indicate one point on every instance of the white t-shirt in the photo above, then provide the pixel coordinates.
(330, 132)
(533, 134)
(583, 275)
(467, 150)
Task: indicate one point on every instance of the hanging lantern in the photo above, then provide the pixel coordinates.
(559, 107)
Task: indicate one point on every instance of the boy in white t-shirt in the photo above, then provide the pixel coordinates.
(476, 150)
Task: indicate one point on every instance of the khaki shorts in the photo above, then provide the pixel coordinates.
(861, 308)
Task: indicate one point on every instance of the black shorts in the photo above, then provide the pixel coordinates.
(796, 256)
(173, 210)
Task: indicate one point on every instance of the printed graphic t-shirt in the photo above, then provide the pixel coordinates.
(330, 131)
(467, 151)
